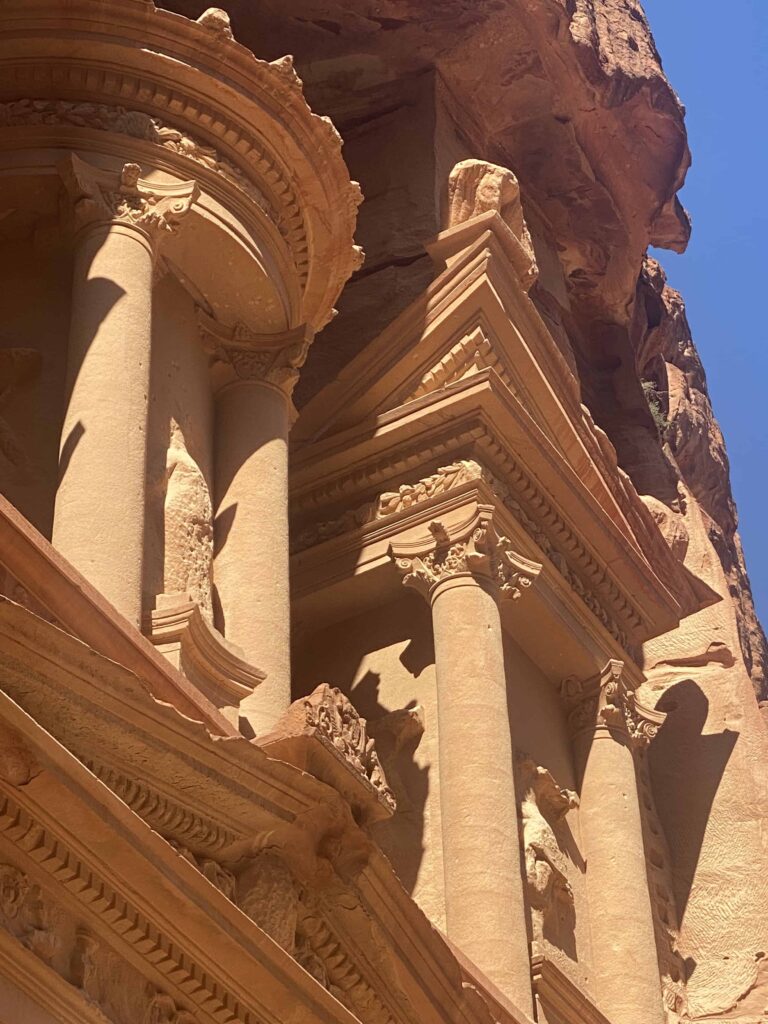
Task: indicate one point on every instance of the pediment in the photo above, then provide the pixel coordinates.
(476, 316)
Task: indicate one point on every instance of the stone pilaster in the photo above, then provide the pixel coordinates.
(465, 575)
(120, 221)
(254, 376)
(608, 724)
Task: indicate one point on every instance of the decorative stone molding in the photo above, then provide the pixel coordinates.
(178, 627)
(103, 197)
(136, 125)
(266, 358)
(471, 354)
(324, 734)
(322, 954)
(170, 819)
(476, 187)
(115, 912)
(477, 551)
(605, 701)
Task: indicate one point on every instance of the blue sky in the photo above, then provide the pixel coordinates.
(716, 58)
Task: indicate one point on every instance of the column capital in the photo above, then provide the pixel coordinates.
(123, 197)
(472, 550)
(606, 702)
(241, 354)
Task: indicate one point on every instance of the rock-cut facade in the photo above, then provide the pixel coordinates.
(376, 644)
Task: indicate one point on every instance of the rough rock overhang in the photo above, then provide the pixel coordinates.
(245, 127)
(570, 95)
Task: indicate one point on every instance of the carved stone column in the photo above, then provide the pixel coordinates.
(99, 514)
(608, 725)
(254, 379)
(464, 576)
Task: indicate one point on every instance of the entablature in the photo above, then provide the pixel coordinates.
(192, 101)
(240, 834)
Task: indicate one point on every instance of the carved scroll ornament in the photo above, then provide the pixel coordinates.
(101, 196)
(479, 552)
(608, 702)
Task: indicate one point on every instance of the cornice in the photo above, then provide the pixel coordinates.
(555, 992)
(383, 959)
(49, 583)
(205, 100)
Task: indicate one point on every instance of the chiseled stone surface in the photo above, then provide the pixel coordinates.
(472, 480)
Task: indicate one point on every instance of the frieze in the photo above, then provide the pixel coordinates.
(115, 911)
(456, 474)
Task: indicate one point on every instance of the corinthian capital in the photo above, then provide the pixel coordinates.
(606, 701)
(244, 355)
(474, 550)
(107, 197)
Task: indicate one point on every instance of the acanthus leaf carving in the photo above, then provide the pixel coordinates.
(607, 701)
(477, 551)
(268, 358)
(101, 196)
(331, 714)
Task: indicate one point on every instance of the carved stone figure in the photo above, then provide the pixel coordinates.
(550, 896)
(267, 893)
(188, 526)
(476, 187)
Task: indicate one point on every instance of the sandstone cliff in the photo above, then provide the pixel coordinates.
(671, 372)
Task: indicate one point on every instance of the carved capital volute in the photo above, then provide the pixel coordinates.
(605, 702)
(102, 197)
(238, 354)
(474, 550)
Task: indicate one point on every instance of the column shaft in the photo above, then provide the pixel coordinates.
(99, 514)
(251, 558)
(626, 972)
(485, 904)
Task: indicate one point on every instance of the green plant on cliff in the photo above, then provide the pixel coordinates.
(652, 397)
